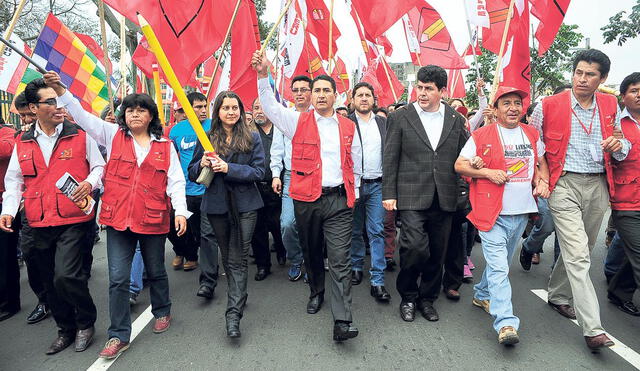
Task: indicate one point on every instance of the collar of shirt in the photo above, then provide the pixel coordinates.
(371, 118)
(423, 112)
(626, 113)
(39, 131)
(574, 103)
(154, 138)
(318, 117)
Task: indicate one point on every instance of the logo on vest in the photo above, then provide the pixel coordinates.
(66, 154)
(158, 156)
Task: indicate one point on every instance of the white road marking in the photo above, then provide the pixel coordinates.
(136, 328)
(619, 348)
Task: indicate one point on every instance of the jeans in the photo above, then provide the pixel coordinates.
(498, 245)
(137, 270)
(370, 213)
(288, 224)
(614, 258)
(121, 246)
(542, 228)
(208, 254)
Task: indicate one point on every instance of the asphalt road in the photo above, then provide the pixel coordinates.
(278, 334)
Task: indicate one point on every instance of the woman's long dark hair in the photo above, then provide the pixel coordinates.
(242, 139)
(142, 101)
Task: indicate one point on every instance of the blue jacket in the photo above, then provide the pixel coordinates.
(184, 138)
(244, 171)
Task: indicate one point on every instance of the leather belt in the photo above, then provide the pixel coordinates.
(336, 189)
(581, 174)
(376, 180)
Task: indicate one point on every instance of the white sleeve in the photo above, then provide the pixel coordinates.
(13, 182)
(277, 153)
(541, 148)
(96, 163)
(469, 149)
(176, 185)
(100, 130)
(477, 118)
(284, 119)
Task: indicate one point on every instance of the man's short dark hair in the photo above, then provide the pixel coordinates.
(363, 84)
(381, 109)
(196, 96)
(434, 74)
(561, 88)
(324, 78)
(21, 101)
(593, 56)
(632, 79)
(304, 78)
(32, 89)
(343, 108)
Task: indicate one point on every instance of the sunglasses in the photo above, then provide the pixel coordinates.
(300, 90)
(49, 102)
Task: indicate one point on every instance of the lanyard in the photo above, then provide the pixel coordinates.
(584, 127)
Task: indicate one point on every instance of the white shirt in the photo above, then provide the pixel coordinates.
(280, 152)
(287, 121)
(104, 132)
(14, 181)
(626, 113)
(432, 122)
(371, 146)
(478, 118)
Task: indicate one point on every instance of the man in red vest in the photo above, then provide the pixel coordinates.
(42, 155)
(625, 200)
(325, 176)
(502, 197)
(577, 127)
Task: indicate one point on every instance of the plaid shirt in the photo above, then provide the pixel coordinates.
(579, 158)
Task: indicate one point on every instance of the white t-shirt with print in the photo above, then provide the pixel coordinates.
(518, 155)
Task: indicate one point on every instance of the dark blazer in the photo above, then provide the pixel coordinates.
(413, 171)
(244, 170)
(382, 127)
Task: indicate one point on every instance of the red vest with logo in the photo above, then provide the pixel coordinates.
(135, 197)
(626, 174)
(486, 196)
(44, 204)
(7, 135)
(556, 130)
(306, 162)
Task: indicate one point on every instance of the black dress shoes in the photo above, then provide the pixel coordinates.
(380, 293)
(429, 312)
(407, 311)
(314, 304)
(625, 306)
(84, 338)
(525, 259)
(262, 273)
(391, 264)
(281, 260)
(7, 314)
(40, 312)
(356, 277)
(60, 344)
(233, 327)
(344, 331)
(205, 292)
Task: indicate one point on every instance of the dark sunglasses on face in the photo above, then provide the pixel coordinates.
(300, 90)
(49, 102)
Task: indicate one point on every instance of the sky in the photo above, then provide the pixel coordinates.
(589, 15)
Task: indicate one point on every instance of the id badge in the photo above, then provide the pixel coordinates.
(596, 154)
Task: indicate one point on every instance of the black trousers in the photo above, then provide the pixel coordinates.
(60, 251)
(188, 244)
(268, 222)
(27, 245)
(9, 269)
(624, 284)
(327, 220)
(424, 236)
(456, 255)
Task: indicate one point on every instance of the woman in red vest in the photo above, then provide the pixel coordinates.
(142, 180)
(232, 198)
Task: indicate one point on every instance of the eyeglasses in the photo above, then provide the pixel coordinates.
(49, 102)
(300, 90)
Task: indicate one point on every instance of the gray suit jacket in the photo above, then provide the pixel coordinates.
(413, 171)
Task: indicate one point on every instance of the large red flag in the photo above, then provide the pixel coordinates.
(369, 48)
(433, 39)
(498, 12)
(318, 25)
(144, 59)
(384, 82)
(246, 39)
(455, 84)
(189, 31)
(516, 62)
(551, 14)
(377, 16)
(341, 76)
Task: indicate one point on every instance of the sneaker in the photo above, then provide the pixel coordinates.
(190, 265)
(162, 324)
(176, 263)
(508, 336)
(113, 348)
(467, 277)
(295, 272)
(484, 304)
(470, 263)
(133, 298)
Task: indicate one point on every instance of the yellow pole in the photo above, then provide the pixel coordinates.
(156, 48)
(12, 24)
(496, 77)
(105, 50)
(275, 27)
(330, 36)
(123, 50)
(156, 85)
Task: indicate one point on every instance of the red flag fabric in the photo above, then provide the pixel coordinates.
(386, 44)
(498, 12)
(377, 16)
(551, 14)
(318, 26)
(470, 50)
(516, 62)
(455, 84)
(297, 53)
(189, 31)
(387, 87)
(341, 75)
(246, 39)
(370, 50)
(433, 39)
(144, 59)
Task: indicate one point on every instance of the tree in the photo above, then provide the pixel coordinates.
(487, 65)
(623, 27)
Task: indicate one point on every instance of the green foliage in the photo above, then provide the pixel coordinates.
(487, 66)
(622, 27)
(264, 26)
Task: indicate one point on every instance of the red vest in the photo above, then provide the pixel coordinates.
(306, 162)
(44, 204)
(626, 174)
(135, 197)
(7, 134)
(556, 130)
(486, 196)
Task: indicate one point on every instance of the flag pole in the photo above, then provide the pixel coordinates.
(156, 85)
(105, 50)
(275, 26)
(123, 50)
(338, 75)
(406, 38)
(473, 48)
(12, 24)
(224, 45)
(330, 36)
(496, 77)
(386, 72)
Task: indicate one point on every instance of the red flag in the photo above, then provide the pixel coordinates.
(470, 50)
(369, 48)
(498, 12)
(318, 25)
(341, 75)
(144, 59)
(433, 39)
(384, 82)
(377, 16)
(516, 62)
(246, 39)
(551, 14)
(455, 84)
(189, 31)
(386, 44)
